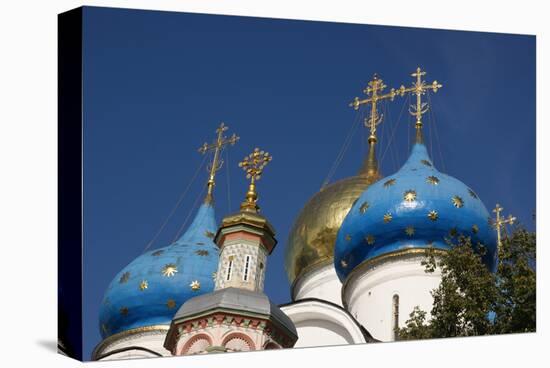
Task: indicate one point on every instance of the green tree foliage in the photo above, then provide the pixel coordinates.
(471, 300)
(516, 304)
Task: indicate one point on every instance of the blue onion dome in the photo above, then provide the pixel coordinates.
(417, 207)
(150, 290)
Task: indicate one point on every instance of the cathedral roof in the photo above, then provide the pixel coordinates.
(149, 290)
(311, 240)
(235, 300)
(417, 207)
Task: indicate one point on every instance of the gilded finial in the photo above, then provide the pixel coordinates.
(499, 222)
(374, 87)
(253, 165)
(216, 164)
(373, 92)
(419, 87)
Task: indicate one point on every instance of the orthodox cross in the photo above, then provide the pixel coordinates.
(419, 88)
(253, 165)
(375, 86)
(216, 164)
(499, 222)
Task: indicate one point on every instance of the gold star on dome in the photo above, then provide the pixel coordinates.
(409, 230)
(195, 285)
(214, 275)
(202, 252)
(389, 183)
(432, 215)
(434, 180)
(475, 228)
(157, 253)
(344, 263)
(209, 234)
(169, 270)
(143, 285)
(123, 311)
(348, 237)
(370, 239)
(388, 217)
(409, 195)
(426, 162)
(364, 207)
(171, 303)
(124, 278)
(472, 193)
(458, 202)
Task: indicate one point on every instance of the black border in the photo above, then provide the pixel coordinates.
(69, 160)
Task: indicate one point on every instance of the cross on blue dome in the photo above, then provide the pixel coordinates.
(150, 290)
(417, 207)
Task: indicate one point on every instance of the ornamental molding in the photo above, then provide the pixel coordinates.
(185, 348)
(241, 336)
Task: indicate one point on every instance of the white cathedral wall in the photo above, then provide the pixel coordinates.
(322, 324)
(321, 283)
(369, 293)
(152, 340)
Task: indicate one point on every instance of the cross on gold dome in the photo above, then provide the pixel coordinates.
(418, 88)
(374, 87)
(499, 222)
(216, 164)
(253, 165)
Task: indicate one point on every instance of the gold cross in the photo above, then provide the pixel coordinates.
(375, 86)
(253, 165)
(216, 164)
(419, 88)
(499, 222)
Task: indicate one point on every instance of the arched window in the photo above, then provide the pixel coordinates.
(395, 316)
(260, 276)
(229, 268)
(246, 267)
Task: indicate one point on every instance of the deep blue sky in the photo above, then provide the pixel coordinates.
(157, 84)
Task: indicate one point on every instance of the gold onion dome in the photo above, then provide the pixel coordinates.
(311, 241)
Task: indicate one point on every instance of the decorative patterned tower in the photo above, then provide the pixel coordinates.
(237, 316)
